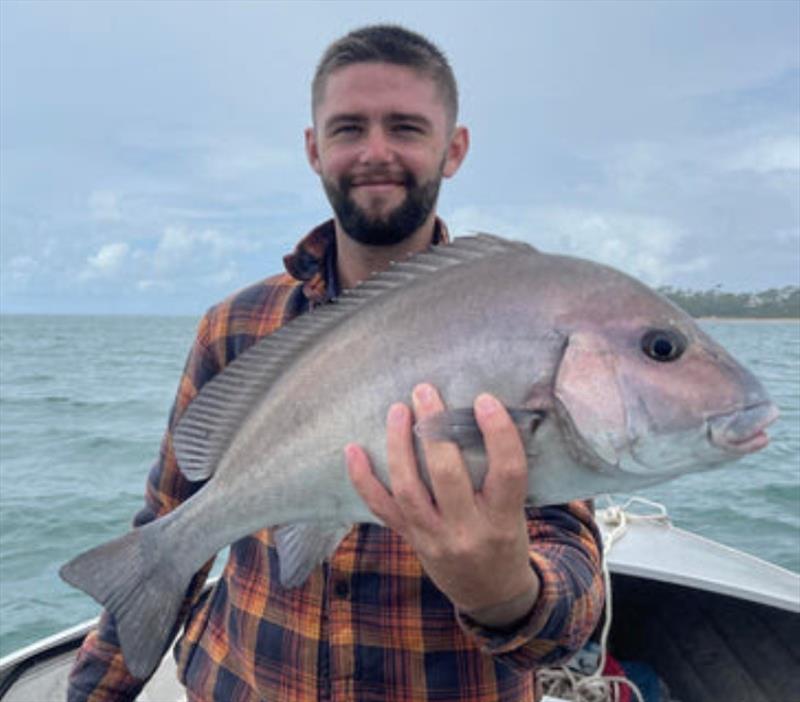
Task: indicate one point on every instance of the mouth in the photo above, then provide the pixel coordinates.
(378, 179)
(377, 183)
(381, 187)
(743, 431)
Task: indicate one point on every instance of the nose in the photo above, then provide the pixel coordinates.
(377, 148)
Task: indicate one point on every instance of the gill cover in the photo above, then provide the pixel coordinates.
(588, 389)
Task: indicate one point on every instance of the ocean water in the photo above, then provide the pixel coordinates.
(84, 401)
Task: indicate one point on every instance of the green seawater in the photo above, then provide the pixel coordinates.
(84, 402)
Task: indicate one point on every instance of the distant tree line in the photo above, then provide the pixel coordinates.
(775, 302)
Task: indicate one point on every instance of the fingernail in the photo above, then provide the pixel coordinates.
(350, 453)
(486, 404)
(423, 394)
(397, 414)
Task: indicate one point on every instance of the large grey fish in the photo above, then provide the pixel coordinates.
(612, 387)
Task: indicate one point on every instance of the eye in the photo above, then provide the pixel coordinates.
(407, 130)
(346, 130)
(664, 345)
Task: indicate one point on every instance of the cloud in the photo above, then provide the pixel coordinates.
(104, 206)
(178, 245)
(225, 276)
(240, 160)
(767, 155)
(147, 285)
(178, 260)
(21, 269)
(789, 235)
(175, 244)
(646, 247)
(107, 261)
(647, 169)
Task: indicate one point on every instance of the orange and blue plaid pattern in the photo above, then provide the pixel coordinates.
(368, 625)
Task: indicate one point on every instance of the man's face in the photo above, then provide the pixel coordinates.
(381, 144)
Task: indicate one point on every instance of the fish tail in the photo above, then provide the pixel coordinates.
(139, 587)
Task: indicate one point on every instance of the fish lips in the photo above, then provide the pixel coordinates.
(742, 431)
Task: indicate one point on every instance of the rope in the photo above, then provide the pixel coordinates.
(619, 516)
(571, 685)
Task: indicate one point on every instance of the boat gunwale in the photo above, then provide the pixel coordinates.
(17, 663)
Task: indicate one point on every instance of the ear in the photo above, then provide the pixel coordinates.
(312, 149)
(456, 151)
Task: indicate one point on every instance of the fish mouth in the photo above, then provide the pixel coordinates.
(742, 431)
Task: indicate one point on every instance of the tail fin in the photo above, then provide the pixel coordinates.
(142, 590)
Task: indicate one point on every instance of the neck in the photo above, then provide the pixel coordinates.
(356, 261)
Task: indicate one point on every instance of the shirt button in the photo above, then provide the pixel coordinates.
(341, 589)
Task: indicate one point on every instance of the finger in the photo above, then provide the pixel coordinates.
(506, 482)
(409, 492)
(371, 489)
(452, 487)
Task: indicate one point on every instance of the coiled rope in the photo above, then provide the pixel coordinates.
(567, 684)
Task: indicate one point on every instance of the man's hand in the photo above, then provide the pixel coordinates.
(473, 545)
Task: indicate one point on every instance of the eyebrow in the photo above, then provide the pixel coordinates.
(343, 118)
(392, 117)
(409, 117)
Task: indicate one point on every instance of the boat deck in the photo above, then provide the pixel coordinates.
(707, 647)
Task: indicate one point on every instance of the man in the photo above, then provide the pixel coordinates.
(464, 593)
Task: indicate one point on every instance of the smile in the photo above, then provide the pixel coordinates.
(384, 187)
(377, 183)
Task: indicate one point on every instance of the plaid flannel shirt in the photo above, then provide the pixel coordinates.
(368, 624)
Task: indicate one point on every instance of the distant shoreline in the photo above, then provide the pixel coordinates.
(758, 320)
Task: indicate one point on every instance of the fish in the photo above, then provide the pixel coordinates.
(611, 386)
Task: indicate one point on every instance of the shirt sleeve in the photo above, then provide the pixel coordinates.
(566, 553)
(99, 673)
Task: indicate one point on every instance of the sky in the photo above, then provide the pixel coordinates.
(152, 161)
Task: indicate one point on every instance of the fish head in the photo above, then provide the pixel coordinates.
(648, 393)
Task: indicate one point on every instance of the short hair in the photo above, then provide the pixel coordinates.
(388, 43)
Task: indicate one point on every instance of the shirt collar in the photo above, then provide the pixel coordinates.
(313, 261)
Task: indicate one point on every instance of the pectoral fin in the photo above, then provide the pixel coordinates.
(460, 426)
(303, 547)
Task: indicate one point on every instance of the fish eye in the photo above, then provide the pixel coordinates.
(664, 345)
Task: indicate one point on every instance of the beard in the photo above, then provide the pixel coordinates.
(388, 229)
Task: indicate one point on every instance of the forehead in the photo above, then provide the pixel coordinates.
(368, 88)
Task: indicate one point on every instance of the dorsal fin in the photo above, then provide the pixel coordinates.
(207, 427)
